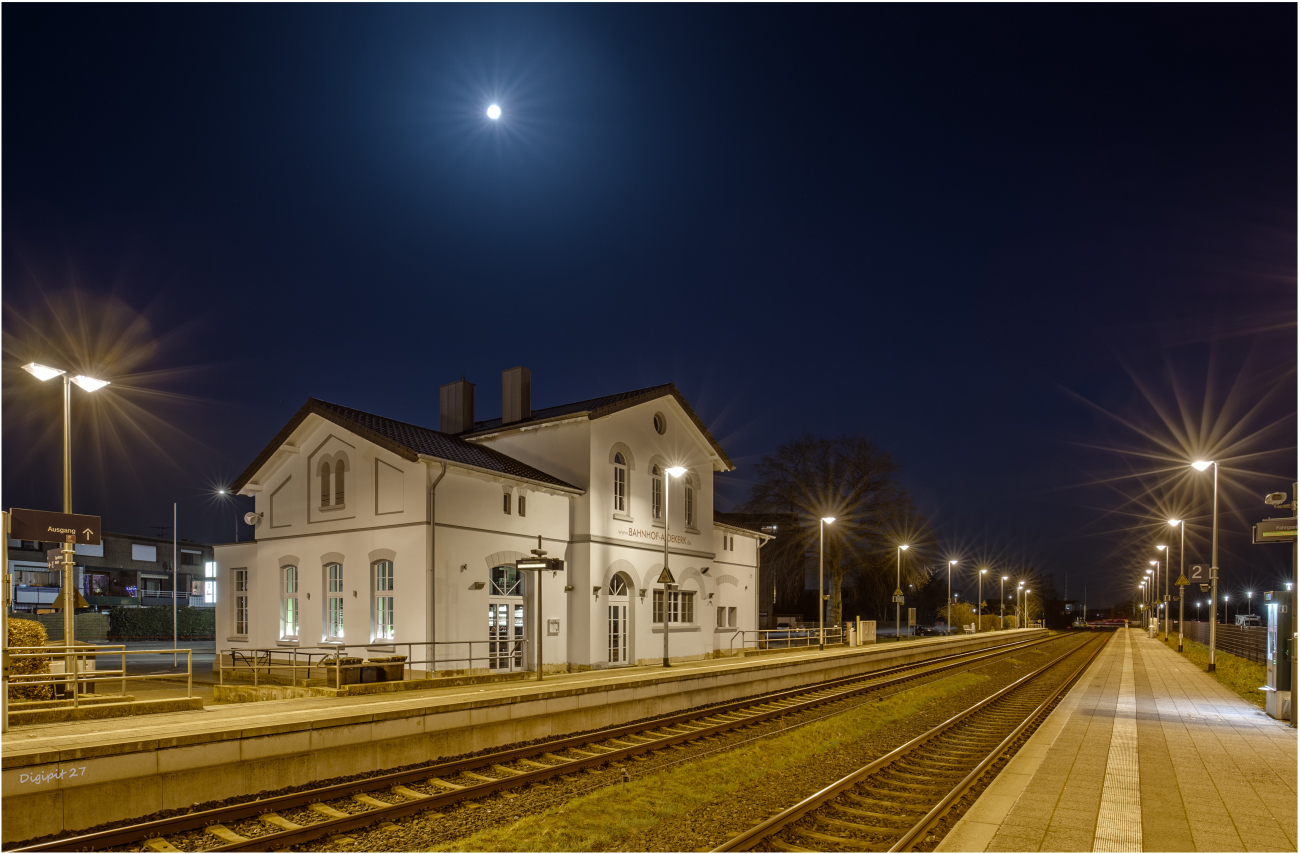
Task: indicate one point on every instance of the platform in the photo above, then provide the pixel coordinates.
(1146, 753)
(79, 774)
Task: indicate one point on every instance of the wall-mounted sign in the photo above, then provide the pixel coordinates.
(642, 533)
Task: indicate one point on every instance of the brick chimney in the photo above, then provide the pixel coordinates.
(516, 395)
(456, 406)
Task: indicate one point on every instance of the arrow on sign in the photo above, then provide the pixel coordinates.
(88, 532)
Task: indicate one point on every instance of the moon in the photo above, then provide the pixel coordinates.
(494, 112)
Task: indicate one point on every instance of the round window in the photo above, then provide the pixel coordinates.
(661, 423)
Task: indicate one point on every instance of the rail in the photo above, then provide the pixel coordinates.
(73, 684)
(1244, 642)
(379, 661)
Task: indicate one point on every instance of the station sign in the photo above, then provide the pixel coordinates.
(44, 526)
(1274, 531)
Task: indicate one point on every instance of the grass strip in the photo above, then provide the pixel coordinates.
(599, 820)
(1242, 676)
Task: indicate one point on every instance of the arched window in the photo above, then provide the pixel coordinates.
(689, 495)
(382, 593)
(340, 469)
(656, 492)
(334, 601)
(333, 494)
(507, 581)
(325, 485)
(617, 586)
(620, 484)
(289, 603)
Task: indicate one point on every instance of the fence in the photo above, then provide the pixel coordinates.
(87, 672)
(786, 638)
(332, 664)
(1245, 642)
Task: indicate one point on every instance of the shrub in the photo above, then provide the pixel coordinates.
(29, 633)
(155, 623)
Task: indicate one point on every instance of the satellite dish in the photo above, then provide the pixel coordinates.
(251, 518)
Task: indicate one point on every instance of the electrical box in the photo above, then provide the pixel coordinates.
(1277, 693)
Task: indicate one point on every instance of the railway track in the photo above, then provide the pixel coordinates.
(299, 817)
(893, 803)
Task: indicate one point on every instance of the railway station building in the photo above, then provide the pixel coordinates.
(373, 533)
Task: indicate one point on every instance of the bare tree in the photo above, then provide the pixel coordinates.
(851, 479)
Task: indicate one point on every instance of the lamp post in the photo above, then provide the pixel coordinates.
(43, 373)
(1225, 608)
(1155, 581)
(230, 496)
(898, 587)
(951, 564)
(676, 472)
(1182, 572)
(979, 606)
(1202, 465)
(1027, 607)
(1002, 602)
(1250, 606)
(1165, 600)
(821, 601)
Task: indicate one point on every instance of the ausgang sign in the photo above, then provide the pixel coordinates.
(46, 527)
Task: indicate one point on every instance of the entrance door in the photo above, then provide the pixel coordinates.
(505, 635)
(617, 629)
(506, 619)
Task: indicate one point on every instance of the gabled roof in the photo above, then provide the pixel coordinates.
(408, 441)
(599, 407)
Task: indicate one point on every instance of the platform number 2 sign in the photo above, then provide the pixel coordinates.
(1197, 570)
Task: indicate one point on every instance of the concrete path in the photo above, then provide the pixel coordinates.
(1146, 753)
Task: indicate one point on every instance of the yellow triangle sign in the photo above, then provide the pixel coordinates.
(666, 577)
(1182, 581)
(58, 601)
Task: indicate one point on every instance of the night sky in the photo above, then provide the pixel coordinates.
(1044, 255)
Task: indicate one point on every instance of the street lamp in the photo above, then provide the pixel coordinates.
(1026, 607)
(821, 599)
(1182, 573)
(951, 564)
(1164, 603)
(1202, 465)
(675, 471)
(898, 588)
(1225, 608)
(1020, 589)
(1155, 588)
(1250, 607)
(43, 373)
(1002, 603)
(980, 604)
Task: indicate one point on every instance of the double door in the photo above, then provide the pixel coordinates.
(617, 631)
(506, 634)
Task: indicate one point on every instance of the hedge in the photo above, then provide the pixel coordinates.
(155, 623)
(29, 633)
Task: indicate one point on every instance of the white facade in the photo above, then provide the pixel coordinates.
(404, 550)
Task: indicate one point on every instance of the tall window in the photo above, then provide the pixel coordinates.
(334, 601)
(241, 602)
(210, 583)
(656, 492)
(383, 594)
(620, 484)
(522, 508)
(681, 606)
(333, 482)
(505, 503)
(289, 602)
(690, 505)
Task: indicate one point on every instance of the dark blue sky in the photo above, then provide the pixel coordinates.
(1006, 243)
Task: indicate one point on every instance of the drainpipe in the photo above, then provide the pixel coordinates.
(429, 569)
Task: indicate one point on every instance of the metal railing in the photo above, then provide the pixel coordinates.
(787, 638)
(331, 662)
(73, 684)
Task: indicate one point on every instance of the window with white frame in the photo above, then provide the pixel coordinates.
(681, 606)
(656, 492)
(689, 503)
(620, 484)
(383, 596)
(240, 602)
(334, 601)
(506, 581)
(210, 583)
(289, 602)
